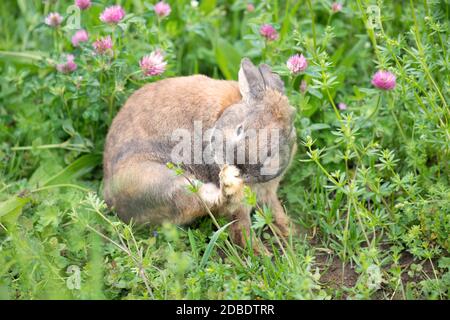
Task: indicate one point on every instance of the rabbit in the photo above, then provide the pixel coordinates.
(137, 181)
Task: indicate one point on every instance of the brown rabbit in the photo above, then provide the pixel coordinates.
(140, 143)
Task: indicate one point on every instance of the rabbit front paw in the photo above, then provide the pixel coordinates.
(210, 194)
(231, 183)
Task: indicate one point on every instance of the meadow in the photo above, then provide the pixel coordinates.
(368, 190)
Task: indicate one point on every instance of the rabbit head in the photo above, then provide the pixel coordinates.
(257, 133)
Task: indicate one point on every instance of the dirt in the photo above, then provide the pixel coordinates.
(407, 260)
(334, 274)
(337, 276)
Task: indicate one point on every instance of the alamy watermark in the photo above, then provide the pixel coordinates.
(215, 146)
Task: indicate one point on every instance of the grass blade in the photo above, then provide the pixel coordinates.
(212, 242)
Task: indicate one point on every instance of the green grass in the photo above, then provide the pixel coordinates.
(368, 189)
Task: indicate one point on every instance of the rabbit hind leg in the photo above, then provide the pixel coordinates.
(267, 196)
(148, 191)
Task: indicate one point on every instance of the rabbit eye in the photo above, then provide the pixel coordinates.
(239, 130)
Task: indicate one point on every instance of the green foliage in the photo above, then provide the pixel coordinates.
(368, 189)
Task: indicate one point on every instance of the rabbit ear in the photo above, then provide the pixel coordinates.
(251, 82)
(271, 79)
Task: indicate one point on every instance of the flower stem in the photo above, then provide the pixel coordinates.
(313, 24)
(336, 111)
(391, 109)
(377, 107)
(422, 56)
(370, 31)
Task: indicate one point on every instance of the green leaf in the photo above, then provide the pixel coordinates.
(444, 263)
(289, 13)
(260, 221)
(211, 244)
(76, 169)
(319, 126)
(193, 243)
(228, 58)
(46, 170)
(208, 5)
(11, 209)
(49, 216)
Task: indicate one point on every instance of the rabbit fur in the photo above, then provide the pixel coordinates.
(139, 185)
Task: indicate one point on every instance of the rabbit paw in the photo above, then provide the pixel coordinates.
(210, 194)
(230, 182)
